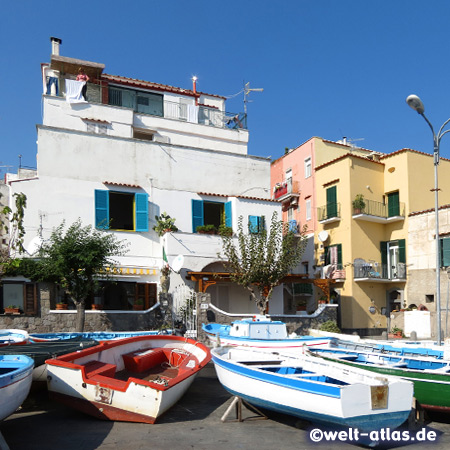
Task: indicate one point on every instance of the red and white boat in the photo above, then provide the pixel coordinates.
(133, 380)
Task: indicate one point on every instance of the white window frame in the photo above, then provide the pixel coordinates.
(308, 209)
(308, 167)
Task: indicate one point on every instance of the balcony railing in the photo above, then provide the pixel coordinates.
(375, 270)
(378, 209)
(329, 211)
(286, 189)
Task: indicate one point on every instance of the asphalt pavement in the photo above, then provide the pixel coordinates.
(193, 423)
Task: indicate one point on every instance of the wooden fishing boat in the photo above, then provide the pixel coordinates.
(313, 389)
(259, 332)
(431, 376)
(133, 379)
(41, 351)
(13, 337)
(15, 382)
(99, 336)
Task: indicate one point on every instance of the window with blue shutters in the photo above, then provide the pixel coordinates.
(121, 210)
(256, 224)
(211, 213)
(445, 251)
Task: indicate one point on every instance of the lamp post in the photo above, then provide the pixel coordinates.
(415, 103)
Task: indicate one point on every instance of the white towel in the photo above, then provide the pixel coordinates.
(73, 91)
(192, 113)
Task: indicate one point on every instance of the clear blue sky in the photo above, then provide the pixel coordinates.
(329, 68)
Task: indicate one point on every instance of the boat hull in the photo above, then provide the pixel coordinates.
(124, 391)
(335, 406)
(14, 384)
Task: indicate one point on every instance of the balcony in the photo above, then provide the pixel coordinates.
(329, 213)
(334, 272)
(377, 272)
(379, 212)
(286, 190)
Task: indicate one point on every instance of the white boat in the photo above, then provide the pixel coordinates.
(313, 389)
(13, 337)
(259, 332)
(15, 382)
(99, 336)
(133, 379)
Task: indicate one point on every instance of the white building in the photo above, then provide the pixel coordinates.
(136, 149)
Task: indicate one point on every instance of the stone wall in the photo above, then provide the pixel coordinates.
(47, 321)
(295, 324)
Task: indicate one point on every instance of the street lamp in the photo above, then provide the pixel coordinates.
(415, 103)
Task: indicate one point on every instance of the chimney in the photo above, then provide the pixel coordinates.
(55, 45)
(194, 88)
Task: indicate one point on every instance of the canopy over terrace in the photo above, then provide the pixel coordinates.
(206, 279)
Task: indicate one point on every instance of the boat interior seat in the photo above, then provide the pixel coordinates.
(93, 368)
(142, 360)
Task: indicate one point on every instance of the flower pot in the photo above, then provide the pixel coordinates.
(61, 306)
(12, 311)
(138, 307)
(96, 306)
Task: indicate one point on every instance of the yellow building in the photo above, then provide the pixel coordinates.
(363, 245)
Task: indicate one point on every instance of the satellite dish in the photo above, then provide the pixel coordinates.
(323, 236)
(34, 245)
(177, 263)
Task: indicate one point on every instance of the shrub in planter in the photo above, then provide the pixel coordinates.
(330, 326)
(206, 229)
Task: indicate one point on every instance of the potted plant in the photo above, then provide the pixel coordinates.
(358, 204)
(12, 309)
(225, 231)
(138, 304)
(165, 279)
(206, 229)
(96, 306)
(323, 299)
(397, 332)
(61, 306)
(164, 224)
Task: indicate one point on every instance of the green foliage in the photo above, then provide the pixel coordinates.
(75, 259)
(259, 261)
(330, 326)
(206, 229)
(359, 202)
(396, 330)
(164, 224)
(225, 231)
(11, 224)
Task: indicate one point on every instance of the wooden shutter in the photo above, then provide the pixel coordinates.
(228, 221)
(393, 204)
(102, 209)
(331, 202)
(445, 252)
(197, 214)
(402, 250)
(141, 211)
(30, 298)
(253, 224)
(339, 253)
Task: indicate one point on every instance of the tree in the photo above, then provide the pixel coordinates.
(76, 259)
(259, 261)
(11, 226)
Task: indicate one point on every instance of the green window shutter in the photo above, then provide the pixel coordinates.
(331, 202)
(141, 210)
(383, 250)
(339, 250)
(402, 250)
(197, 214)
(102, 209)
(228, 221)
(445, 252)
(393, 204)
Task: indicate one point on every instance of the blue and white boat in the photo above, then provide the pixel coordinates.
(13, 337)
(15, 381)
(99, 336)
(259, 332)
(313, 389)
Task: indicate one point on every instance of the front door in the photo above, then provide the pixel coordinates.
(393, 260)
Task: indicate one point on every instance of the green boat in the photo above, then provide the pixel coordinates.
(431, 376)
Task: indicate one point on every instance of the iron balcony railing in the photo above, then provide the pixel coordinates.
(329, 211)
(380, 271)
(378, 209)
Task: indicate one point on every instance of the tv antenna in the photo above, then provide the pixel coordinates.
(247, 91)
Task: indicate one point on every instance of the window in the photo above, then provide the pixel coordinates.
(210, 213)
(445, 251)
(124, 295)
(332, 209)
(256, 224)
(393, 259)
(139, 101)
(22, 295)
(121, 210)
(308, 209)
(307, 167)
(333, 254)
(393, 204)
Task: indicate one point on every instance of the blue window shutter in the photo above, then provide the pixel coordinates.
(141, 210)
(445, 252)
(228, 221)
(102, 209)
(197, 214)
(253, 224)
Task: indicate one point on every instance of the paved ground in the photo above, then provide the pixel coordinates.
(194, 423)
